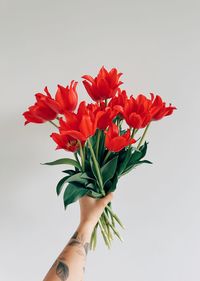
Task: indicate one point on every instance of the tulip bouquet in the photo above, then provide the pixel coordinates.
(106, 138)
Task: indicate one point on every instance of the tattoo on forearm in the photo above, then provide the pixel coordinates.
(61, 268)
(78, 240)
(62, 271)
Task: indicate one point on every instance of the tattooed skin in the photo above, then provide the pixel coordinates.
(77, 240)
(60, 266)
(62, 271)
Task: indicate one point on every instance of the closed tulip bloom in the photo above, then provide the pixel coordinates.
(158, 108)
(104, 85)
(114, 142)
(67, 97)
(65, 141)
(136, 112)
(44, 109)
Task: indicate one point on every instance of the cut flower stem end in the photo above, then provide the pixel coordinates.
(107, 227)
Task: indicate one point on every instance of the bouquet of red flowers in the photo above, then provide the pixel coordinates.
(105, 136)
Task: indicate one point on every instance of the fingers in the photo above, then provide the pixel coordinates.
(105, 200)
(109, 197)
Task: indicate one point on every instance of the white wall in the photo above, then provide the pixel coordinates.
(156, 45)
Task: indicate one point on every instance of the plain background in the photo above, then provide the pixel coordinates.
(156, 44)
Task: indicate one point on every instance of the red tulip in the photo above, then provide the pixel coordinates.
(45, 109)
(118, 102)
(104, 85)
(65, 142)
(114, 142)
(158, 109)
(80, 125)
(136, 112)
(67, 97)
(106, 118)
(107, 115)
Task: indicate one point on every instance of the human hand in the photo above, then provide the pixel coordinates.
(91, 209)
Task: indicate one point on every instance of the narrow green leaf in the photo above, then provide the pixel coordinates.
(108, 170)
(94, 194)
(73, 193)
(67, 161)
(85, 176)
(124, 159)
(69, 172)
(145, 161)
(93, 186)
(77, 178)
(60, 184)
(93, 169)
(134, 165)
(143, 149)
(111, 184)
(137, 155)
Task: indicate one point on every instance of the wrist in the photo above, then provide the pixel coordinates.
(85, 229)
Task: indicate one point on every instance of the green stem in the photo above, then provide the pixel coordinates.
(143, 136)
(93, 240)
(107, 155)
(82, 156)
(97, 144)
(111, 216)
(54, 124)
(103, 233)
(95, 237)
(113, 228)
(96, 164)
(132, 136)
(107, 224)
(115, 216)
(104, 225)
(76, 156)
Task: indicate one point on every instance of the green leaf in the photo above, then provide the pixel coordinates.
(73, 193)
(86, 176)
(143, 149)
(145, 161)
(77, 178)
(93, 186)
(101, 147)
(67, 161)
(131, 167)
(93, 169)
(69, 172)
(124, 159)
(111, 184)
(94, 194)
(137, 155)
(108, 170)
(60, 184)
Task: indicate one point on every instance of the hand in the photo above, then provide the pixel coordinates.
(91, 209)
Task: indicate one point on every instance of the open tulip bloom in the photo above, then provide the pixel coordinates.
(105, 136)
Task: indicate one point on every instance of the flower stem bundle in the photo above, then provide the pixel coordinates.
(106, 138)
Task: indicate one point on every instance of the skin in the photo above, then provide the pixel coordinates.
(70, 264)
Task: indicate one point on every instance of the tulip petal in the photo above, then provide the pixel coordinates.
(86, 126)
(76, 135)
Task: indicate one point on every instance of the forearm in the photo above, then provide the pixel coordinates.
(70, 264)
